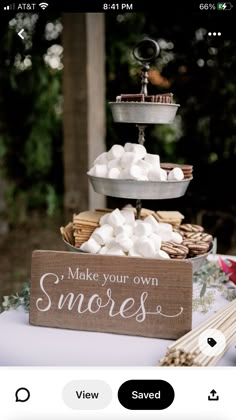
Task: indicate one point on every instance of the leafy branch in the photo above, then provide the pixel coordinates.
(210, 275)
(18, 299)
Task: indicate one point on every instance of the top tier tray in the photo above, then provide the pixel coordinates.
(143, 112)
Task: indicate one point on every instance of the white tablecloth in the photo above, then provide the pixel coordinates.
(22, 344)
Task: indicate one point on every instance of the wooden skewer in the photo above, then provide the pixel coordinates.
(213, 319)
(185, 351)
(222, 325)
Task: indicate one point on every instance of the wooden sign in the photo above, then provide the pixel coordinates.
(135, 296)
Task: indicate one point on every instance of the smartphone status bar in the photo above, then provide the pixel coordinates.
(106, 6)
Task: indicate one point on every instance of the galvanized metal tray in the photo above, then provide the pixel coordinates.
(143, 112)
(145, 190)
(197, 262)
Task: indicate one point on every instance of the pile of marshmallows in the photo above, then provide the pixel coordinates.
(132, 162)
(120, 234)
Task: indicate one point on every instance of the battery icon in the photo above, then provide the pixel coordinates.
(224, 6)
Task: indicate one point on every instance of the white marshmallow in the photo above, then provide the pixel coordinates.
(131, 172)
(128, 147)
(126, 229)
(164, 227)
(152, 221)
(102, 234)
(114, 163)
(124, 242)
(177, 238)
(143, 178)
(136, 238)
(101, 159)
(156, 239)
(128, 215)
(104, 219)
(176, 174)
(114, 173)
(115, 250)
(145, 166)
(100, 170)
(139, 150)
(92, 171)
(115, 152)
(142, 229)
(146, 248)
(128, 159)
(154, 174)
(128, 207)
(91, 245)
(153, 160)
(162, 255)
(111, 242)
(157, 174)
(164, 230)
(136, 241)
(135, 172)
(103, 250)
(165, 236)
(163, 174)
(115, 218)
(124, 174)
(133, 253)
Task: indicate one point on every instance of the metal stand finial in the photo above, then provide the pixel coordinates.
(145, 52)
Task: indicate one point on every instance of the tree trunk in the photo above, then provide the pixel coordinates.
(84, 106)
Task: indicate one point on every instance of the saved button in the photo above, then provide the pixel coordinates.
(139, 394)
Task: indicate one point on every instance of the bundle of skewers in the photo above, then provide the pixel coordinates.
(186, 351)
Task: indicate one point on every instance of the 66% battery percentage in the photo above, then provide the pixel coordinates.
(207, 6)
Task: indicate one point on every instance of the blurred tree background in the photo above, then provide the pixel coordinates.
(31, 114)
(199, 70)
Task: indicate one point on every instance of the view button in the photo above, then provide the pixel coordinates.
(87, 394)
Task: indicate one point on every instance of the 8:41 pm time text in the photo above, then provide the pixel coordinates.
(118, 6)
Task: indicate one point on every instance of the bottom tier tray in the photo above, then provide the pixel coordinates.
(197, 261)
(145, 190)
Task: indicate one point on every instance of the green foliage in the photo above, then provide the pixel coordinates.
(210, 275)
(30, 118)
(18, 299)
(52, 200)
(201, 72)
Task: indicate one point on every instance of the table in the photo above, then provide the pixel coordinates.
(22, 344)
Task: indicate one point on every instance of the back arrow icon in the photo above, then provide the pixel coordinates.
(20, 33)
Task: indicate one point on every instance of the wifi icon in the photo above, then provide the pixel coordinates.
(43, 5)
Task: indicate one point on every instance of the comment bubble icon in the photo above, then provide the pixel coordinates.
(22, 395)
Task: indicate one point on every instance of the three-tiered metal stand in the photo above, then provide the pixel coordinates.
(142, 114)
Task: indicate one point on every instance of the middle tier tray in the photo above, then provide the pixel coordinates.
(145, 190)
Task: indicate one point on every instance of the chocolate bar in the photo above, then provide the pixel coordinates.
(165, 98)
(149, 98)
(139, 97)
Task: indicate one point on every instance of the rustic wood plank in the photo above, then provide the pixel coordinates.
(135, 296)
